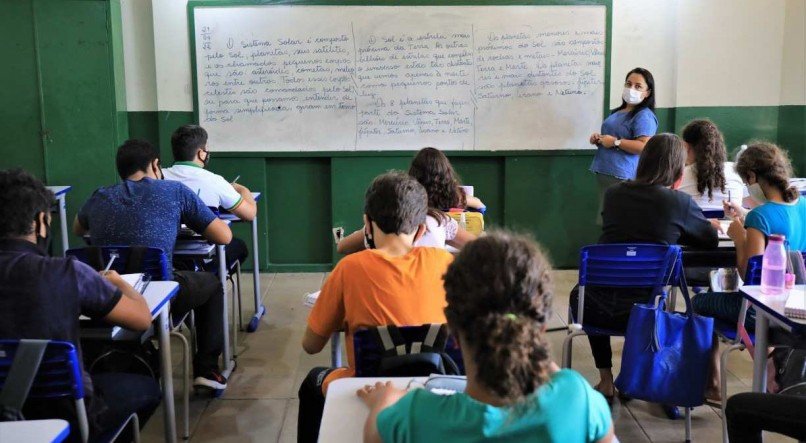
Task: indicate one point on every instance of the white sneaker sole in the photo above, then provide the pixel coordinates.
(207, 383)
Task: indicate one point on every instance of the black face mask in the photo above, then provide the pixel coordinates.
(206, 160)
(42, 243)
(369, 242)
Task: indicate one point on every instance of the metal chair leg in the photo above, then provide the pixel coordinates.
(723, 388)
(185, 384)
(567, 343)
(335, 350)
(688, 425)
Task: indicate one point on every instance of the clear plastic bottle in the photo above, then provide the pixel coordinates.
(773, 266)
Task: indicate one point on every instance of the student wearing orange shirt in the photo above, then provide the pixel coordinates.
(392, 283)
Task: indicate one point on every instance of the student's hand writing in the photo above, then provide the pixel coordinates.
(736, 230)
(595, 138)
(733, 210)
(381, 394)
(114, 278)
(608, 141)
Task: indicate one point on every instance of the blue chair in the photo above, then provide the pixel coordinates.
(629, 266)
(713, 213)
(413, 351)
(58, 375)
(154, 263)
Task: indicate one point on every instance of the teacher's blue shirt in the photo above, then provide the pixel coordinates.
(616, 162)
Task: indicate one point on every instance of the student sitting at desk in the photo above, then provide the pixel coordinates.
(144, 210)
(42, 298)
(191, 157)
(391, 283)
(499, 295)
(708, 178)
(644, 210)
(434, 171)
(766, 170)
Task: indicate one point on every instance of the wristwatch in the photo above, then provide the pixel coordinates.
(617, 143)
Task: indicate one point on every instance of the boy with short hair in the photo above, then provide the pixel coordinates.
(42, 297)
(391, 283)
(143, 210)
(191, 157)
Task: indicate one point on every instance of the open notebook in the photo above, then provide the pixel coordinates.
(138, 281)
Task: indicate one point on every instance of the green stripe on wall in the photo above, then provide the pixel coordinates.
(549, 194)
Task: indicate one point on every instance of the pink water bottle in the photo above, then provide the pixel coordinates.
(773, 266)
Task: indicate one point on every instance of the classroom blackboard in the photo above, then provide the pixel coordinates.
(290, 78)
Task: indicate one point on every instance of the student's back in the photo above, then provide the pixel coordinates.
(638, 213)
(788, 219)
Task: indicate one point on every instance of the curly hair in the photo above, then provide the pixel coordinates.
(709, 155)
(22, 198)
(769, 163)
(434, 171)
(499, 294)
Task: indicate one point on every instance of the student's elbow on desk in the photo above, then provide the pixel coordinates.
(131, 314)
(246, 210)
(218, 232)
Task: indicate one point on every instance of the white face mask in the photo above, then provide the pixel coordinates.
(757, 193)
(632, 96)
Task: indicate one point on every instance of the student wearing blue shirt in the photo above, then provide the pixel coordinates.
(143, 210)
(42, 297)
(499, 299)
(624, 133)
(766, 170)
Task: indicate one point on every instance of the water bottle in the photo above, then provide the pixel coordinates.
(773, 266)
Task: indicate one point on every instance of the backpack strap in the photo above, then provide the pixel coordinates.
(392, 340)
(22, 373)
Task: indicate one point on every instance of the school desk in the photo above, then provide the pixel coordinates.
(34, 431)
(61, 193)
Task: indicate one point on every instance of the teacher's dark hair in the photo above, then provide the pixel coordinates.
(662, 161)
(649, 101)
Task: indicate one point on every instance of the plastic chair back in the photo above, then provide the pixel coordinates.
(753, 272)
(713, 213)
(369, 351)
(59, 373)
(151, 261)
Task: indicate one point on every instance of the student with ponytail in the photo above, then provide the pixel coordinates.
(499, 295)
(708, 178)
(766, 170)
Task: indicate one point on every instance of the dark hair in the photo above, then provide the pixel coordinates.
(396, 203)
(649, 101)
(134, 156)
(709, 155)
(661, 162)
(22, 198)
(186, 141)
(771, 164)
(434, 171)
(499, 294)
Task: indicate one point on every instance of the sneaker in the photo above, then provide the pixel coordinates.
(212, 380)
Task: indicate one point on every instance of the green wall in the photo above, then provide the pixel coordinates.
(550, 194)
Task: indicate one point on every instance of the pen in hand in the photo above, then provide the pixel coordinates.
(236, 180)
(112, 258)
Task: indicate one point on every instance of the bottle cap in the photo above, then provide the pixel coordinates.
(777, 237)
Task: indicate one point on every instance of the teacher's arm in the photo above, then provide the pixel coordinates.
(629, 146)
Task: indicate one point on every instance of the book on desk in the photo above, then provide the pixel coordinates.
(795, 306)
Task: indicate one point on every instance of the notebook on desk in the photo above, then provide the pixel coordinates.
(795, 306)
(138, 281)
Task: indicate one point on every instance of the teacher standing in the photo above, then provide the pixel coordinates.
(624, 133)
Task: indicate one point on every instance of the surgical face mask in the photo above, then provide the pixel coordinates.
(42, 243)
(632, 96)
(757, 193)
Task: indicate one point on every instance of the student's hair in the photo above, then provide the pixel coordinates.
(186, 141)
(649, 101)
(661, 162)
(434, 171)
(499, 294)
(134, 156)
(709, 155)
(396, 202)
(22, 198)
(771, 164)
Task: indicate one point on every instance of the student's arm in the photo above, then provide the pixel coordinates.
(697, 230)
(246, 208)
(629, 146)
(749, 242)
(609, 438)
(312, 342)
(377, 398)
(78, 228)
(352, 243)
(131, 311)
(462, 237)
(473, 202)
(218, 232)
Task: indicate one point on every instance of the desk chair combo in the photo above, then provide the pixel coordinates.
(639, 266)
(154, 263)
(49, 369)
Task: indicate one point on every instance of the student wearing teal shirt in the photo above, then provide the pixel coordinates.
(499, 300)
(766, 170)
(624, 133)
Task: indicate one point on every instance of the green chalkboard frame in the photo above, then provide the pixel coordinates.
(608, 4)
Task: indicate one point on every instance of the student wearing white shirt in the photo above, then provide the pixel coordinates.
(707, 177)
(191, 157)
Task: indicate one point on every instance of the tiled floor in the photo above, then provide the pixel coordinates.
(260, 404)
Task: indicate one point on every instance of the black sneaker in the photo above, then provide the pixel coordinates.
(212, 380)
